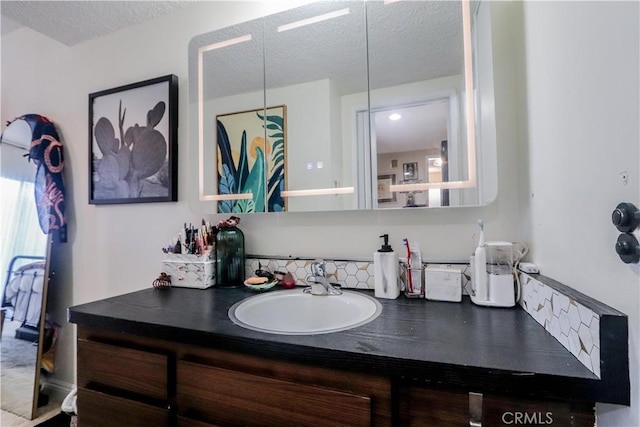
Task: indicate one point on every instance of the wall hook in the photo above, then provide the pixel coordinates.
(626, 217)
(627, 248)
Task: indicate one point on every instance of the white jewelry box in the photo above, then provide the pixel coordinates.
(190, 271)
(443, 284)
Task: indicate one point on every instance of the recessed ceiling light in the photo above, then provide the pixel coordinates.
(395, 116)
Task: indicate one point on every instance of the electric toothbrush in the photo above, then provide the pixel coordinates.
(480, 267)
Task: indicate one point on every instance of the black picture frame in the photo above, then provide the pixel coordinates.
(410, 171)
(143, 168)
(385, 195)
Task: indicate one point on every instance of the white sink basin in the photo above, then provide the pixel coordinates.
(293, 312)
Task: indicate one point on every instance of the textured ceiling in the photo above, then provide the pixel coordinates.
(408, 42)
(73, 22)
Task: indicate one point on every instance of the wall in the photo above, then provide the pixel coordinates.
(575, 58)
(580, 124)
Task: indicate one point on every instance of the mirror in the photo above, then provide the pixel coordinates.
(226, 81)
(425, 98)
(25, 253)
(291, 111)
(315, 59)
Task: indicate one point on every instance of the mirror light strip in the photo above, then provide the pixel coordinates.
(200, 125)
(217, 197)
(469, 92)
(319, 192)
(225, 43)
(313, 20)
(201, 52)
(396, 188)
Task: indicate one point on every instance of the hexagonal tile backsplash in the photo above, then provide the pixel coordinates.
(574, 325)
(348, 274)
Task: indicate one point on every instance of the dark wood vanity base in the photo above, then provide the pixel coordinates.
(175, 357)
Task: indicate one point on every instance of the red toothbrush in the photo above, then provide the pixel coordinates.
(406, 242)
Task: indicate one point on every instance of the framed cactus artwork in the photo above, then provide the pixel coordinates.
(133, 147)
(252, 155)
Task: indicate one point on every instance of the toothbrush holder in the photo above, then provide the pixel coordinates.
(412, 279)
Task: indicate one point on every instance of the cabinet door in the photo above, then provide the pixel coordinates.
(105, 366)
(230, 397)
(99, 409)
(188, 422)
(421, 406)
(431, 408)
(506, 411)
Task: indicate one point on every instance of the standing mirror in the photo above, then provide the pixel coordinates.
(25, 253)
(291, 112)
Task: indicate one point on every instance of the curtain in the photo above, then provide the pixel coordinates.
(20, 233)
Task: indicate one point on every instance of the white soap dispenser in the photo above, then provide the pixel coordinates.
(385, 271)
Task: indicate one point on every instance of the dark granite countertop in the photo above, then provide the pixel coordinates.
(491, 350)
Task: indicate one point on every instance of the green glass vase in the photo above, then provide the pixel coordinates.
(230, 258)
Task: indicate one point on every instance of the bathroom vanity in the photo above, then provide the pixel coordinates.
(173, 357)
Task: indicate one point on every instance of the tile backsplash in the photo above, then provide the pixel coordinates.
(574, 325)
(347, 273)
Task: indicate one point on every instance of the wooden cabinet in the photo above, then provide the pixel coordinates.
(506, 410)
(422, 406)
(127, 380)
(235, 398)
(139, 372)
(119, 385)
(107, 410)
(121, 374)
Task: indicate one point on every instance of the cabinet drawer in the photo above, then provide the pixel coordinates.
(424, 407)
(421, 406)
(229, 397)
(97, 409)
(135, 371)
(188, 422)
(505, 410)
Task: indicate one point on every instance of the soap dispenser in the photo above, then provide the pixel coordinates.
(385, 270)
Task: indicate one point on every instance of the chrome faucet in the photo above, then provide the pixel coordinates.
(319, 285)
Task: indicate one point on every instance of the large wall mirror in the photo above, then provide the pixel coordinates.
(25, 253)
(344, 105)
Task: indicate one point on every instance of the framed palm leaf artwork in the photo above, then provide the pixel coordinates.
(251, 157)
